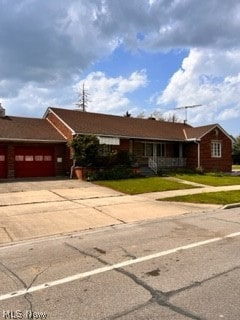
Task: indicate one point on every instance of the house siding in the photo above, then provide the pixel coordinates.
(209, 163)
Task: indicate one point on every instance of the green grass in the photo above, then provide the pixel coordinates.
(236, 167)
(221, 198)
(143, 185)
(211, 179)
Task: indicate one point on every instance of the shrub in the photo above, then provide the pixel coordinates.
(116, 173)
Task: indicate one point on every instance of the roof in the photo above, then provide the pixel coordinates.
(198, 132)
(111, 125)
(30, 129)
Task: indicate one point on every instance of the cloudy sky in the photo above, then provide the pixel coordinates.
(136, 56)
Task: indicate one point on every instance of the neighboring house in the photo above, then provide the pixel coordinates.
(38, 147)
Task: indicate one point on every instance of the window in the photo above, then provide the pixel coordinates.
(149, 149)
(19, 158)
(216, 149)
(154, 149)
(28, 158)
(105, 150)
(38, 158)
(161, 150)
(47, 158)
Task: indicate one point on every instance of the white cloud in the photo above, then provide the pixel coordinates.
(203, 79)
(108, 94)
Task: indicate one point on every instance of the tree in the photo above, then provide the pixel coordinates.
(85, 150)
(83, 100)
(236, 150)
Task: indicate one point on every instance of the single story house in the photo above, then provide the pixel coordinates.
(32, 147)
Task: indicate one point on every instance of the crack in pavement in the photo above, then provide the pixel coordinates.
(223, 220)
(7, 232)
(13, 276)
(157, 296)
(109, 215)
(129, 311)
(199, 283)
(127, 253)
(25, 203)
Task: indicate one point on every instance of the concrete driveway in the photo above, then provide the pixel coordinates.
(39, 208)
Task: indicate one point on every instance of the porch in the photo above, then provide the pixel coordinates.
(157, 163)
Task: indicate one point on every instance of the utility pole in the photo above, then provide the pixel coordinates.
(83, 100)
(186, 108)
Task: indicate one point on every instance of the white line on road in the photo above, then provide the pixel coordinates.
(112, 267)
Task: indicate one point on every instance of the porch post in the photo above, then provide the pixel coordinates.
(180, 150)
(130, 146)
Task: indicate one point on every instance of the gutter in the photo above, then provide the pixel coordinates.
(130, 137)
(31, 140)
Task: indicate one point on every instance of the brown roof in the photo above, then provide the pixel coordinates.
(20, 128)
(198, 132)
(110, 125)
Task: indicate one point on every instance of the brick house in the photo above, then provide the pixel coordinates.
(156, 144)
(38, 147)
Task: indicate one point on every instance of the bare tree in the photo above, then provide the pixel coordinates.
(83, 100)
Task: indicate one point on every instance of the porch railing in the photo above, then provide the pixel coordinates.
(156, 163)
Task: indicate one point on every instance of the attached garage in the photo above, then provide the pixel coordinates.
(3, 162)
(30, 147)
(32, 161)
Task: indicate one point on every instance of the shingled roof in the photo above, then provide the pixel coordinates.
(30, 129)
(198, 132)
(111, 125)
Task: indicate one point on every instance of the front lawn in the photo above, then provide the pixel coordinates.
(236, 167)
(143, 185)
(221, 198)
(211, 179)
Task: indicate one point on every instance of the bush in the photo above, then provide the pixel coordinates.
(114, 174)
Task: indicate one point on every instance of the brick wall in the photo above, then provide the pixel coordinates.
(209, 163)
(190, 152)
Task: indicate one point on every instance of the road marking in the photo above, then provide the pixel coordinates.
(112, 267)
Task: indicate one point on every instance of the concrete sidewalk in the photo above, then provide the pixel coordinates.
(66, 206)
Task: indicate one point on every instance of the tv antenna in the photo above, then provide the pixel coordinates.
(83, 100)
(188, 107)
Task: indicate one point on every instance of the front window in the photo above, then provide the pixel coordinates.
(216, 149)
(161, 150)
(154, 149)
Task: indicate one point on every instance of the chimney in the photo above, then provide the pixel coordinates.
(2, 111)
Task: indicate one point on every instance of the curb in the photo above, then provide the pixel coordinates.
(231, 206)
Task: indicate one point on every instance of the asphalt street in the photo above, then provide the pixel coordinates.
(181, 267)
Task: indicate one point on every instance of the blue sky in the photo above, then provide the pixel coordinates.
(140, 56)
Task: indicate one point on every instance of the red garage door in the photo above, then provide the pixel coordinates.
(34, 162)
(3, 162)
